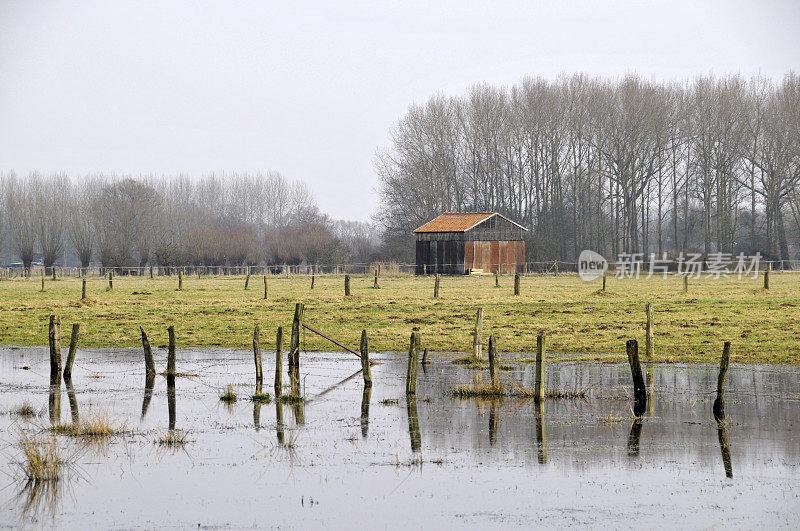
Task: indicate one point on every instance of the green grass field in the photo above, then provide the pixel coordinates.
(579, 320)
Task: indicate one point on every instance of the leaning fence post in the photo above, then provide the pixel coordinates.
(247, 280)
(83, 289)
(365, 359)
(719, 403)
(171, 352)
(538, 391)
(279, 362)
(516, 283)
(54, 338)
(639, 387)
(149, 364)
(413, 362)
(347, 285)
(494, 363)
(649, 347)
(73, 346)
(477, 339)
(257, 353)
(436, 287)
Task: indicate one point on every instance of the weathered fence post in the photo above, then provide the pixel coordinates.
(312, 279)
(151, 272)
(257, 354)
(477, 338)
(494, 363)
(538, 391)
(365, 359)
(686, 283)
(639, 387)
(279, 362)
(719, 403)
(413, 361)
(111, 280)
(649, 347)
(54, 338)
(604, 281)
(149, 364)
(436, 287)
(265, 286)
(247, 281)
(180, 280)
(347, 285)
(516, 283)
(171, 352)
(424, 356)
(766, 279)
(375, 285)
(73, 346)
(83, 289)
(43, 279)
(297, 326)
(53, 269)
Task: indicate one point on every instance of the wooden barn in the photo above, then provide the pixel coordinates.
(458, 243)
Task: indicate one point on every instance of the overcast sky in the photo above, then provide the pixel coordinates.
(312, 90)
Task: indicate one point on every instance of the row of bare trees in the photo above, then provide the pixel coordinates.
(631, 166)
(123, 221)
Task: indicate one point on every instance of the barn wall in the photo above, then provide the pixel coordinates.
(502, 257)
(443, 257)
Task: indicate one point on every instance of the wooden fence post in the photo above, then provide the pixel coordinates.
(171, 352)
(538, 391)
(247, 281)
(180, 280)
(151, 272)
(279, 362)
(265, 287)
(436, 287)
(766, 280)
(73, 346)
(111, 280)
(257, 354)
(719, 403)
(649, 347)
(347, 285)
(42, 279)
(413, 362)
(516, 283)
(496, 279)
(297, 326)
(375, 285)
(312, 279)
(494, 363)
(83, 289)
(149, 364)
(639, 387)
(54, 272)
(477, 338)
(686, 283)
(365, 359)
(604, 281)
(54, 338)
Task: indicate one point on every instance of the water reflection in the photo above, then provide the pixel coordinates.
(493, 421)
(73, 401)
(413, 423)
(149, 382)
(257, 406)
(54, 399)
(541, 433)
(634, 437)
(365, 398)
(279, 421)
(171, 401)
(722, 434)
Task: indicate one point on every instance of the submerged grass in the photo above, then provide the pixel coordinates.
(216, 311)
(24, 410)
(261, 398)
(478, 389)
(172, 439)
(96, 427)
(289, 399)
(41, 458)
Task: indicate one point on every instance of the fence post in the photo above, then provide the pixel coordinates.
(265, 286)
(496, 279)
(649, 346)
(180, 280)
(83, 289)
(538, 391)
(516, 283)
(719, 403)
(766, 280)
(494, 363)
(149, 364)
(604, 281)
(639, 387)
(257, 354)
(110, 279)
(73, 346)
(365, 359)
(686, 283)
(376, 285)
(413, 362)
(247, 280)
(297, 325)
(54, 338)
(436, 287)
(42, 279)
(171, 352)
(477, 339)
(279, 362)
(347, 285)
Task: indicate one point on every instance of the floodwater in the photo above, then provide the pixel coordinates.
(350, 458)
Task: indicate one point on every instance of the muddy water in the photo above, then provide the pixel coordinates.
(350, 458)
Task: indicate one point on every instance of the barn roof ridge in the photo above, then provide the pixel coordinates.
(463, 221)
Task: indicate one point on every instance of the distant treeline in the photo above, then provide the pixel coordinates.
(122, 221)
(632, 166)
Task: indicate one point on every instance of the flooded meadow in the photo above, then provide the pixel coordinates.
(353, 456)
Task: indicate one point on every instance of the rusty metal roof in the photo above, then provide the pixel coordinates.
(459, 221)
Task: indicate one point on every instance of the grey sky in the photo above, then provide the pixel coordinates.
(312, 90)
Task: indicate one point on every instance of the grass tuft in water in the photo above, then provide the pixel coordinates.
(390, 401)
(97, 427)
(472, 362)
(41, 458)
(261, 398)
(290, 399)
(229, 397)
(478, 388)
(24, 410)
(172, 439)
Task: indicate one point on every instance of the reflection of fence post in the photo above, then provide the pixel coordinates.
(719, 403)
